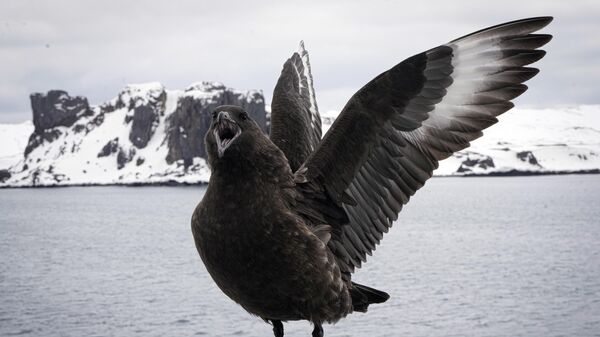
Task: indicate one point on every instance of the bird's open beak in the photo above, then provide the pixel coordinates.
(226, 131)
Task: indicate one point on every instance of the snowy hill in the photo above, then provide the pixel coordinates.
(533, 141)
(529, 141)
(145, 135)
(14, 141)
(150, 135)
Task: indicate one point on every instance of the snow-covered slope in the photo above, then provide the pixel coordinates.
(146, 135)
(14, 140)
(529, 141)
(151, 135)
(533, 141)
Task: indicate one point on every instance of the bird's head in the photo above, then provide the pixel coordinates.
(230, 132)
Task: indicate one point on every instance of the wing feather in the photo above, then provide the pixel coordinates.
(393, 132)
(295, 119)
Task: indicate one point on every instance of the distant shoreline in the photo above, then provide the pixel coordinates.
(518, 173)
(510, 173)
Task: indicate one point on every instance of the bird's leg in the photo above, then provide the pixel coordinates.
(318, 330)
(277, 328)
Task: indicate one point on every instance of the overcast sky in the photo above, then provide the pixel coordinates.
(95, 48)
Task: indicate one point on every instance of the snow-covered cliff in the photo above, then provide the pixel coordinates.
(145, 135)
(533, 141)
(529, 141)
(150, 135)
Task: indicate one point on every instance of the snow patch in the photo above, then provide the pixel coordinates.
(14, 141)
(97, 148)
(533, 141)
(561, 140)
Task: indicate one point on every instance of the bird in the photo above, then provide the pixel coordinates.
(287, 218)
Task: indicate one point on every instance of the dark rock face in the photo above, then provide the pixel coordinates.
(78, 128)
(4, 175)
(483, 162)
(146, 109)
(193, 115)
(138, 116)
(57, 108)
(187, 126)
(124, 157)
(145, 120)
(95, 122)
(111, 147)
(527, 156)
(36, 139)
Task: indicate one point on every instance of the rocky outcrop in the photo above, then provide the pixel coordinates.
(527, 156)
(192, 117)
(146, 103)
(4, 175)
(111, 147)
(38, 138)
(124, 157)
(146, 134)
(145, 121)
(53, 109)
(57, 108)
(473, 162)
(187, 127)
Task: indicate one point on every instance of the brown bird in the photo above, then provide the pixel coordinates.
(286, 220)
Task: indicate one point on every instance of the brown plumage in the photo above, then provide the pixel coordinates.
(286, 220)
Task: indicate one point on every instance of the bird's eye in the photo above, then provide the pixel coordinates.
(214, 114)
(243, 116)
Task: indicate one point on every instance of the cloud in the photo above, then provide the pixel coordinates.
(96, 48)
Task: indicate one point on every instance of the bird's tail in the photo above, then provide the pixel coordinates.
(362, 296)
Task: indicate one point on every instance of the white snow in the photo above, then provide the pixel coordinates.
(140, 94)
(72, 159)
(14, 140)
(327, 119)
(561, 140)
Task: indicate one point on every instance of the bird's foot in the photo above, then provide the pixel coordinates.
(277, 328)
(318, 330)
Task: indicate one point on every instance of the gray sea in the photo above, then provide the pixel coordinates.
(514, 256)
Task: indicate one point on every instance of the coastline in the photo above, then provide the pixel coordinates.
(174, 183)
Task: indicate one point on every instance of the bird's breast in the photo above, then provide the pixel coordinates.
(268, 261)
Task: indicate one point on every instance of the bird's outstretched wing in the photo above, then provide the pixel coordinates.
(391, 134)
(295, 119)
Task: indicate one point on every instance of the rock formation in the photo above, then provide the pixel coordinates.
(473, 162)
(57, 108)
(192, 117)
(145, 134)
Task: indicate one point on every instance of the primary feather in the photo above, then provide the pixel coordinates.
(295, 119)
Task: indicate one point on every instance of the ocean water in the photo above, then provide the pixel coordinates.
(516, 256)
